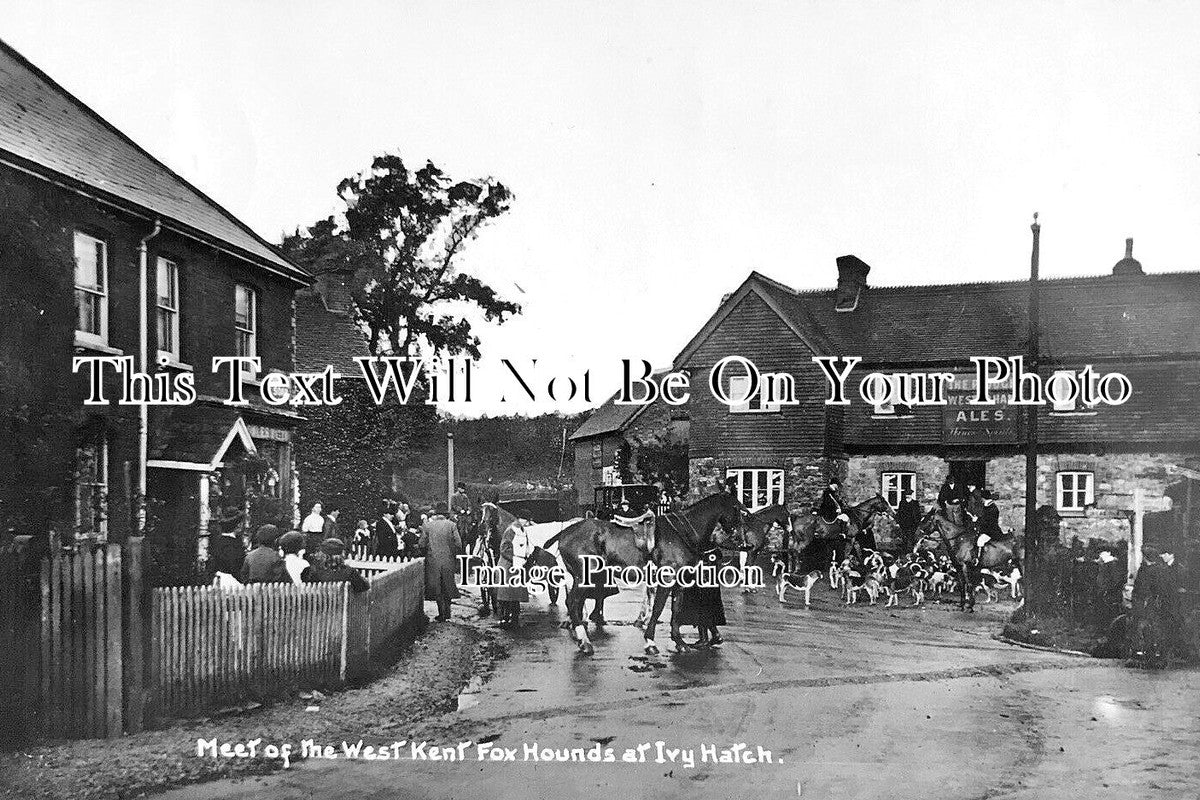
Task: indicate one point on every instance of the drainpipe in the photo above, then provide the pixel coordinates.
(144, 366)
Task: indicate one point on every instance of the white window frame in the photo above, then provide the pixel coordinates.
(1076, 406)
(1068, 491)
(738, 384)
(250, 331)
(749, 481)
(85, 492)
(894, 483)
(100, 247)
(175, 352)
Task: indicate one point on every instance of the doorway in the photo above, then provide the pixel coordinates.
(966, 473)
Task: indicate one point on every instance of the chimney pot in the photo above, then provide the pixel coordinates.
(1128, 266)
(852, 279)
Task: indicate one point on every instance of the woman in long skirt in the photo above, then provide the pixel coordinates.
(701, 606)
(509, 597)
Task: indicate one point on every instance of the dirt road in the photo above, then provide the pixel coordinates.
(850, 703)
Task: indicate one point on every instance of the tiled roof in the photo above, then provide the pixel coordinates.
(50, 130)
(610, 417)
(1100, 316)
(325, 337)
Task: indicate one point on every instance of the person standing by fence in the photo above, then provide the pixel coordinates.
(263, 563)
(441, 545)
(226, 552)
(384, 543)
(297, 569)
(335, 569)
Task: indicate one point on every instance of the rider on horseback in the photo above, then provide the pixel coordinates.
(832, 508)
(987, 523)
(950, 497)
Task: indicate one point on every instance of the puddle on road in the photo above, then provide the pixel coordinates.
(469, 696)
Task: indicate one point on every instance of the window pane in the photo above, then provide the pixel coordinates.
(166, 331)
(168, 281)
(244, 307)
(89, 262)
(87, 312)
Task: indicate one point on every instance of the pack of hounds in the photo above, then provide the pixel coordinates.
(875, 576)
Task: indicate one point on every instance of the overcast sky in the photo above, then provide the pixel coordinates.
(661, 151)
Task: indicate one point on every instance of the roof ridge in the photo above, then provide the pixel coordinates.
(95, 115)
(1014, 282)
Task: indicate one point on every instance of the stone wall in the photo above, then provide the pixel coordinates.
(1116, 477)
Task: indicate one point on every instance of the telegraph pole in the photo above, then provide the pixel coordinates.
(1031, 442)
(449, 469)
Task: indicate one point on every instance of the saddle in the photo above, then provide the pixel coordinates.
(632, 522)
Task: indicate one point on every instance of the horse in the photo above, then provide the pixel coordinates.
(810, 526)
(613, 545)
(680, 540)
(960, 546)
(492, 523)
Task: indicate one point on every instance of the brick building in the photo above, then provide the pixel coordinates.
(79, 197)
(613, 432)
(1094, 460)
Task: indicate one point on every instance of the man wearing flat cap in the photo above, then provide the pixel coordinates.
(441, 545)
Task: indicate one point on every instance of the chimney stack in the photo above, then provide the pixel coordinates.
(1128, 266)
(334, 292)
(852, 279)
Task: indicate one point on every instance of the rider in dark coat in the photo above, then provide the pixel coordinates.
(831, 505)
(951, 494)
(987, 523)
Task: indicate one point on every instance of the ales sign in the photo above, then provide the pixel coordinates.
(964, 423)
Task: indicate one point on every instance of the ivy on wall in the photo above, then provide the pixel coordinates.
(346, 453)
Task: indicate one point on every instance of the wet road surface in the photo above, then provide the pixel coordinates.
(862, 702)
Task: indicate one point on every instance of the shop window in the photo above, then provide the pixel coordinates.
(893, 485)
(756, 488)
(1074, 490)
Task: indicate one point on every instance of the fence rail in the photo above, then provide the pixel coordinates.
(215, 646)
(84, 646)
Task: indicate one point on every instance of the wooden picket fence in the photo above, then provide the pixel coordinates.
(379, 615)
(87, 651)
(87, 689)
(212, 646)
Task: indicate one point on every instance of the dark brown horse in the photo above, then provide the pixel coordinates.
(608, 544)
(807, 527)
(680, 540)
(959, 543)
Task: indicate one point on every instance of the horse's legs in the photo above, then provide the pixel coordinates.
(597, 615)
(575, 612)
(660, 600)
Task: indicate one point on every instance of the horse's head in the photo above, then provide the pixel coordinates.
(879, 505)
(759, 524)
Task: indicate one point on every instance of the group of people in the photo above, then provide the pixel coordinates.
(969, 504)
(276, 557)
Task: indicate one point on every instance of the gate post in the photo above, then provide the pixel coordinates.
(133, 604)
